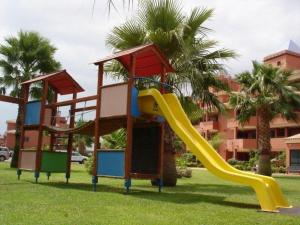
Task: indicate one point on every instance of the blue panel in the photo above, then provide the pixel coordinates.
(32, 116)
(134, 103)
(111, 163)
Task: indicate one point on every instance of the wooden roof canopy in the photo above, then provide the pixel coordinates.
(149, 60)
(61, 82)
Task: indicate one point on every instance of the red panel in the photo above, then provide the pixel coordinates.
(149, 60)
(60, 81)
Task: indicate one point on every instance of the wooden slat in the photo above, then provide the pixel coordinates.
(97, 117)
(10, 99)
(88, 108)
(40, 128)
(128, 150)
(70, 102)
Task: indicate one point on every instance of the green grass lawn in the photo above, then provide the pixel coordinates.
(203, 199)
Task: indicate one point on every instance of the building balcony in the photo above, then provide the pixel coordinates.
(241, 145)
(278, 144)
(251, 124)
(245, 145)
(279, 121)
(209, 125)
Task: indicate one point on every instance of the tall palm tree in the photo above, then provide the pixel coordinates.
(81, 141)
(265, 92)
(21, 58)
(115, 140)
(183, 39)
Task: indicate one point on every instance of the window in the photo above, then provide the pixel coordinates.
(293, 131)
(278, 63)
(280, 132)
(295, 158)
(272, 133)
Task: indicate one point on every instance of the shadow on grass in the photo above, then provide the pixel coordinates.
(176, 196)
(287, 177)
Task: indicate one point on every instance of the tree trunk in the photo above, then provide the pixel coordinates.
(15, 158)
(264, 142)
(169, 163)
(81, 148)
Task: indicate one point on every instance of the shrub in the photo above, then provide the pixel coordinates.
(182, 163)
(282, 169)
(232, 161)
(89, 165)
(239, 167)
(184, 172)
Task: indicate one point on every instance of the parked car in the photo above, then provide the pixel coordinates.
(4, 153)
(77, 157)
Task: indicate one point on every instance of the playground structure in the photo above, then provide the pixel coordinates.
(143, 113)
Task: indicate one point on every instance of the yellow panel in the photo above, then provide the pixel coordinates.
(267, 189)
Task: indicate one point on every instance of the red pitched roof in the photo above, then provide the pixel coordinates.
(149, 60)
(61, 82)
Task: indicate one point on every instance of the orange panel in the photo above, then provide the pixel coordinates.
(114, 101)
(28, 160)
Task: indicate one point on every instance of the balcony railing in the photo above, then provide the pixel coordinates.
(241, 145)
(279, 121)
(232, 123)
(278, 144)
(209, 125)
(244, 145)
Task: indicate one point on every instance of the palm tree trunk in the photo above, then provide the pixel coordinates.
(15, 158)
(81, 147)
(264, 143)
(169, 162)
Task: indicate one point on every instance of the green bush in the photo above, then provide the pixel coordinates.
(282, 169)
(184, 172)
(232, 161)
(89, 165)
(240, 165)
(187, 160)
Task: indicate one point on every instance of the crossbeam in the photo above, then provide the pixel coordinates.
(88, 108)
(70, 102)
(4, 98)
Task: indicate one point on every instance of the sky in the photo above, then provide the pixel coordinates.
(253, 29)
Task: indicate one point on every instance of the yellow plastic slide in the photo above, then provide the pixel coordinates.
(267, 190)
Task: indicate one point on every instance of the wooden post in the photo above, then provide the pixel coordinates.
(128, 150)
(162, 133)
(25, 90)
(53, 123)
(97, 125)
(40, 130)
(70, 138)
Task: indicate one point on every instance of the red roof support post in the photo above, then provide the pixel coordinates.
(128, 151)
(40, 130)
(97, 125)
(25, 94)
(70, 138)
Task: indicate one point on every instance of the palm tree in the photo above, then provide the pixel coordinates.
(81, 141)
(115, 140)
(265, 92)
(183, 39)
(21, 58)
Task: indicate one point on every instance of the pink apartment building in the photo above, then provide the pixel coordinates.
(240, 140)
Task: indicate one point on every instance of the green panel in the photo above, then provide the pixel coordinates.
(54, 162)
